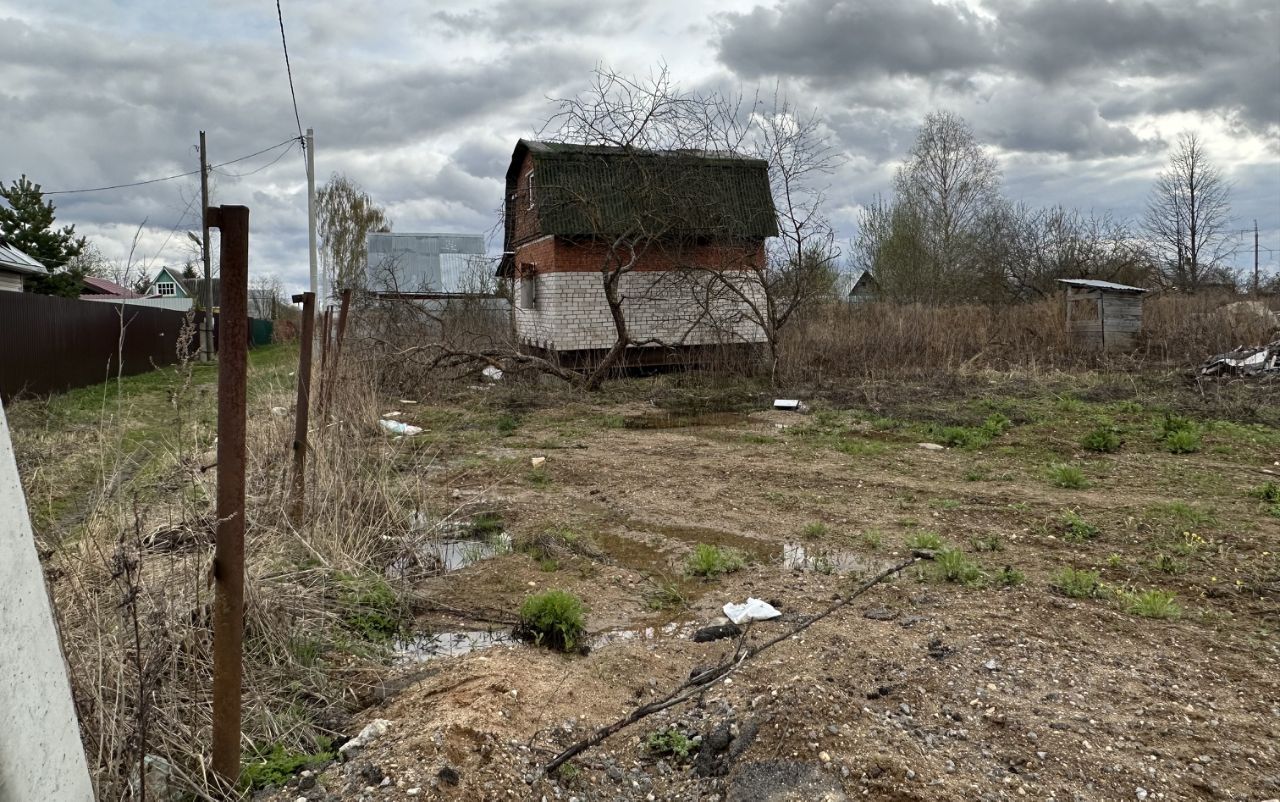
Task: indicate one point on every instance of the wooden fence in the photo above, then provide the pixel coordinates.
(49, 345)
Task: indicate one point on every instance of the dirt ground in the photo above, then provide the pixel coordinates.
(999, 685)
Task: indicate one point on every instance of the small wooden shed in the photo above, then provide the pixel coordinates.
(1103, 314)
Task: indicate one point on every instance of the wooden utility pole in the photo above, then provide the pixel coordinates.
(206, 294)
(228, 553)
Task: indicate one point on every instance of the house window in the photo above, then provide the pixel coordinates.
(528, 286)
(166, 289)
(529, 181)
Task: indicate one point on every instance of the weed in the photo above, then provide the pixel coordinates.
(1190, 544)
(670, 742)
(987, 543)
(1182, 442)
(507, 424)
(1172, 424)
(1008, 577)
(1068, 476)
(1104, 439)
(1184, 514)
(1078, 583)
(758, 439)
(1167, 564)
(1076, 529)
(538, 477)
(1152, 604)
(568, 773)
(946, 504)
(929, 541)
(872, 539)
(996, 425)
(1115, 561)
(276, 765)
(485, 525)
(711, 561)
(1068, 403)
(861, 448)
(952, 565)
(665, 595)
(548, 546)
(611, 421)
(370, 608)
(554, 619)
(815, 530)
(548, 565)
(978, 474)
(1274, 511)
(1269, 492)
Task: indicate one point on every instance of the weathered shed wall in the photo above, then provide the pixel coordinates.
(1103, 319)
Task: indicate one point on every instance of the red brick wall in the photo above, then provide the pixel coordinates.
(591, 256)
(526, 220)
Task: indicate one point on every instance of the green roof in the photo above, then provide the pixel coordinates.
(594, 190)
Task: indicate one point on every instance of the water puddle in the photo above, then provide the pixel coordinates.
(799, 557)
(433, 646)
(674, 420)
(434, 557)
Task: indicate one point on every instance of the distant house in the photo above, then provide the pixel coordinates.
(861, 287)
(15, 266)
(568, 207)
(179, 292)
(100, 289)
(427, 265)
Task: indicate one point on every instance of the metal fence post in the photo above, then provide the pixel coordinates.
(298, 505)
(228, 555)
(332, 378)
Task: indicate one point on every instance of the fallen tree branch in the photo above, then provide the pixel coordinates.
(708, 677)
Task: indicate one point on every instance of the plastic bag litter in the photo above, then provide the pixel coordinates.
(753, 610)
(492, 374)
(399, 427)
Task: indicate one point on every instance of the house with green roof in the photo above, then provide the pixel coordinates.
(584, 222)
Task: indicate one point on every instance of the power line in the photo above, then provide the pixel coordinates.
(284, 44)
(169, 177)
(283, 153)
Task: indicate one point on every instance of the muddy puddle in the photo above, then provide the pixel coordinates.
(433, 557)
(799, 557)
(674, 420)
(433, 646)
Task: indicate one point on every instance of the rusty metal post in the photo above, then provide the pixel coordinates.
(297, 506)
(332, 379)
(326, 324)
(228, 555)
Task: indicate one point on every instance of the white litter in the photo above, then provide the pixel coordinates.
(279, 412)
(753, 610)
(371, 732)
(395, 413)
(407, 401)
(492, 374)
(930, 446)
(786, 403)
(399, 427)
(536, 461)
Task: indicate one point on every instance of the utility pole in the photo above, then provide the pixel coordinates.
(206, 325)
(311, 213)
(1256, 285)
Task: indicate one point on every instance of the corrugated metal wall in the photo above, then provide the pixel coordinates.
(425, 262)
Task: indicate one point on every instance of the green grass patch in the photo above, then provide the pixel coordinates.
(928, 541)
(539, 477)
(981, 543)
(1075, 528)
(1183, 514)
(554, 619)
(872, 539)
(1008, 577)
(276, 765)
(1178, 435)
(1152, 604)
(1168, 564)
(665, 593)
(1269, 493)
(815, 530)
(369, 606)
(709, 561)
(485, 525)
(1104, 440)
(1078, 583)
(953, 565)
(1067, 476)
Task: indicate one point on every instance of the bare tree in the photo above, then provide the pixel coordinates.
(1040, 246)
(346, 214)
(1188, 214)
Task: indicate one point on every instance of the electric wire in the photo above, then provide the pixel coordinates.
(288, 141)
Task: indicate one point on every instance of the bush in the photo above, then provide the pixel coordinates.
(554, 619)
(1153, 604)
(1183, 442)
(1077, 529)
(710, 561)
(1009, 577)
(1104, 439)
(1078, 583)
(1068, 476)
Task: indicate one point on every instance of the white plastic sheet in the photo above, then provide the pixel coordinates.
(753, 610)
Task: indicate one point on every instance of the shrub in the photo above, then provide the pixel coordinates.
(1104, 439)
(1078, 583)
(815, 530)
(1068, 476)
(710, 561)
(670, 742)
(1009, 577)
(554, 619)
(995, 425)
(952, 565)
(1076, 529)
(1153, 604)
(1182, 442)
(929, 541)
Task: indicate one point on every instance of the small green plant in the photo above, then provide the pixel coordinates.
(978, 474)
(507, 424)
(929, 541)
(1104, 439)
(553, 618)
(1068, 403)
(1269, 493)
(872, 539)
(665, 594)
(1168, 564)
(1069, 476)
(709, 561)
(1076, 529)
(670, 742)
(1008, 577)
(758, 439)
(987, 543)
(1190, 543)
(1184, 514)
(995, 425)
(485, 525)
(952, 565)
(1115, 561)
(539, 476)
(369, 606)
(1182, 442)
(276, 765)
(1172, 424)
(1152, 604)
(815, 530)
(1078, 583)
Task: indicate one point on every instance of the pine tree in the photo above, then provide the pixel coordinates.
(27, 224)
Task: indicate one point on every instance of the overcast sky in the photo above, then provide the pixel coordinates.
(421, 102)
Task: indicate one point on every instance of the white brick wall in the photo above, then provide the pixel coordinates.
(572, 313)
